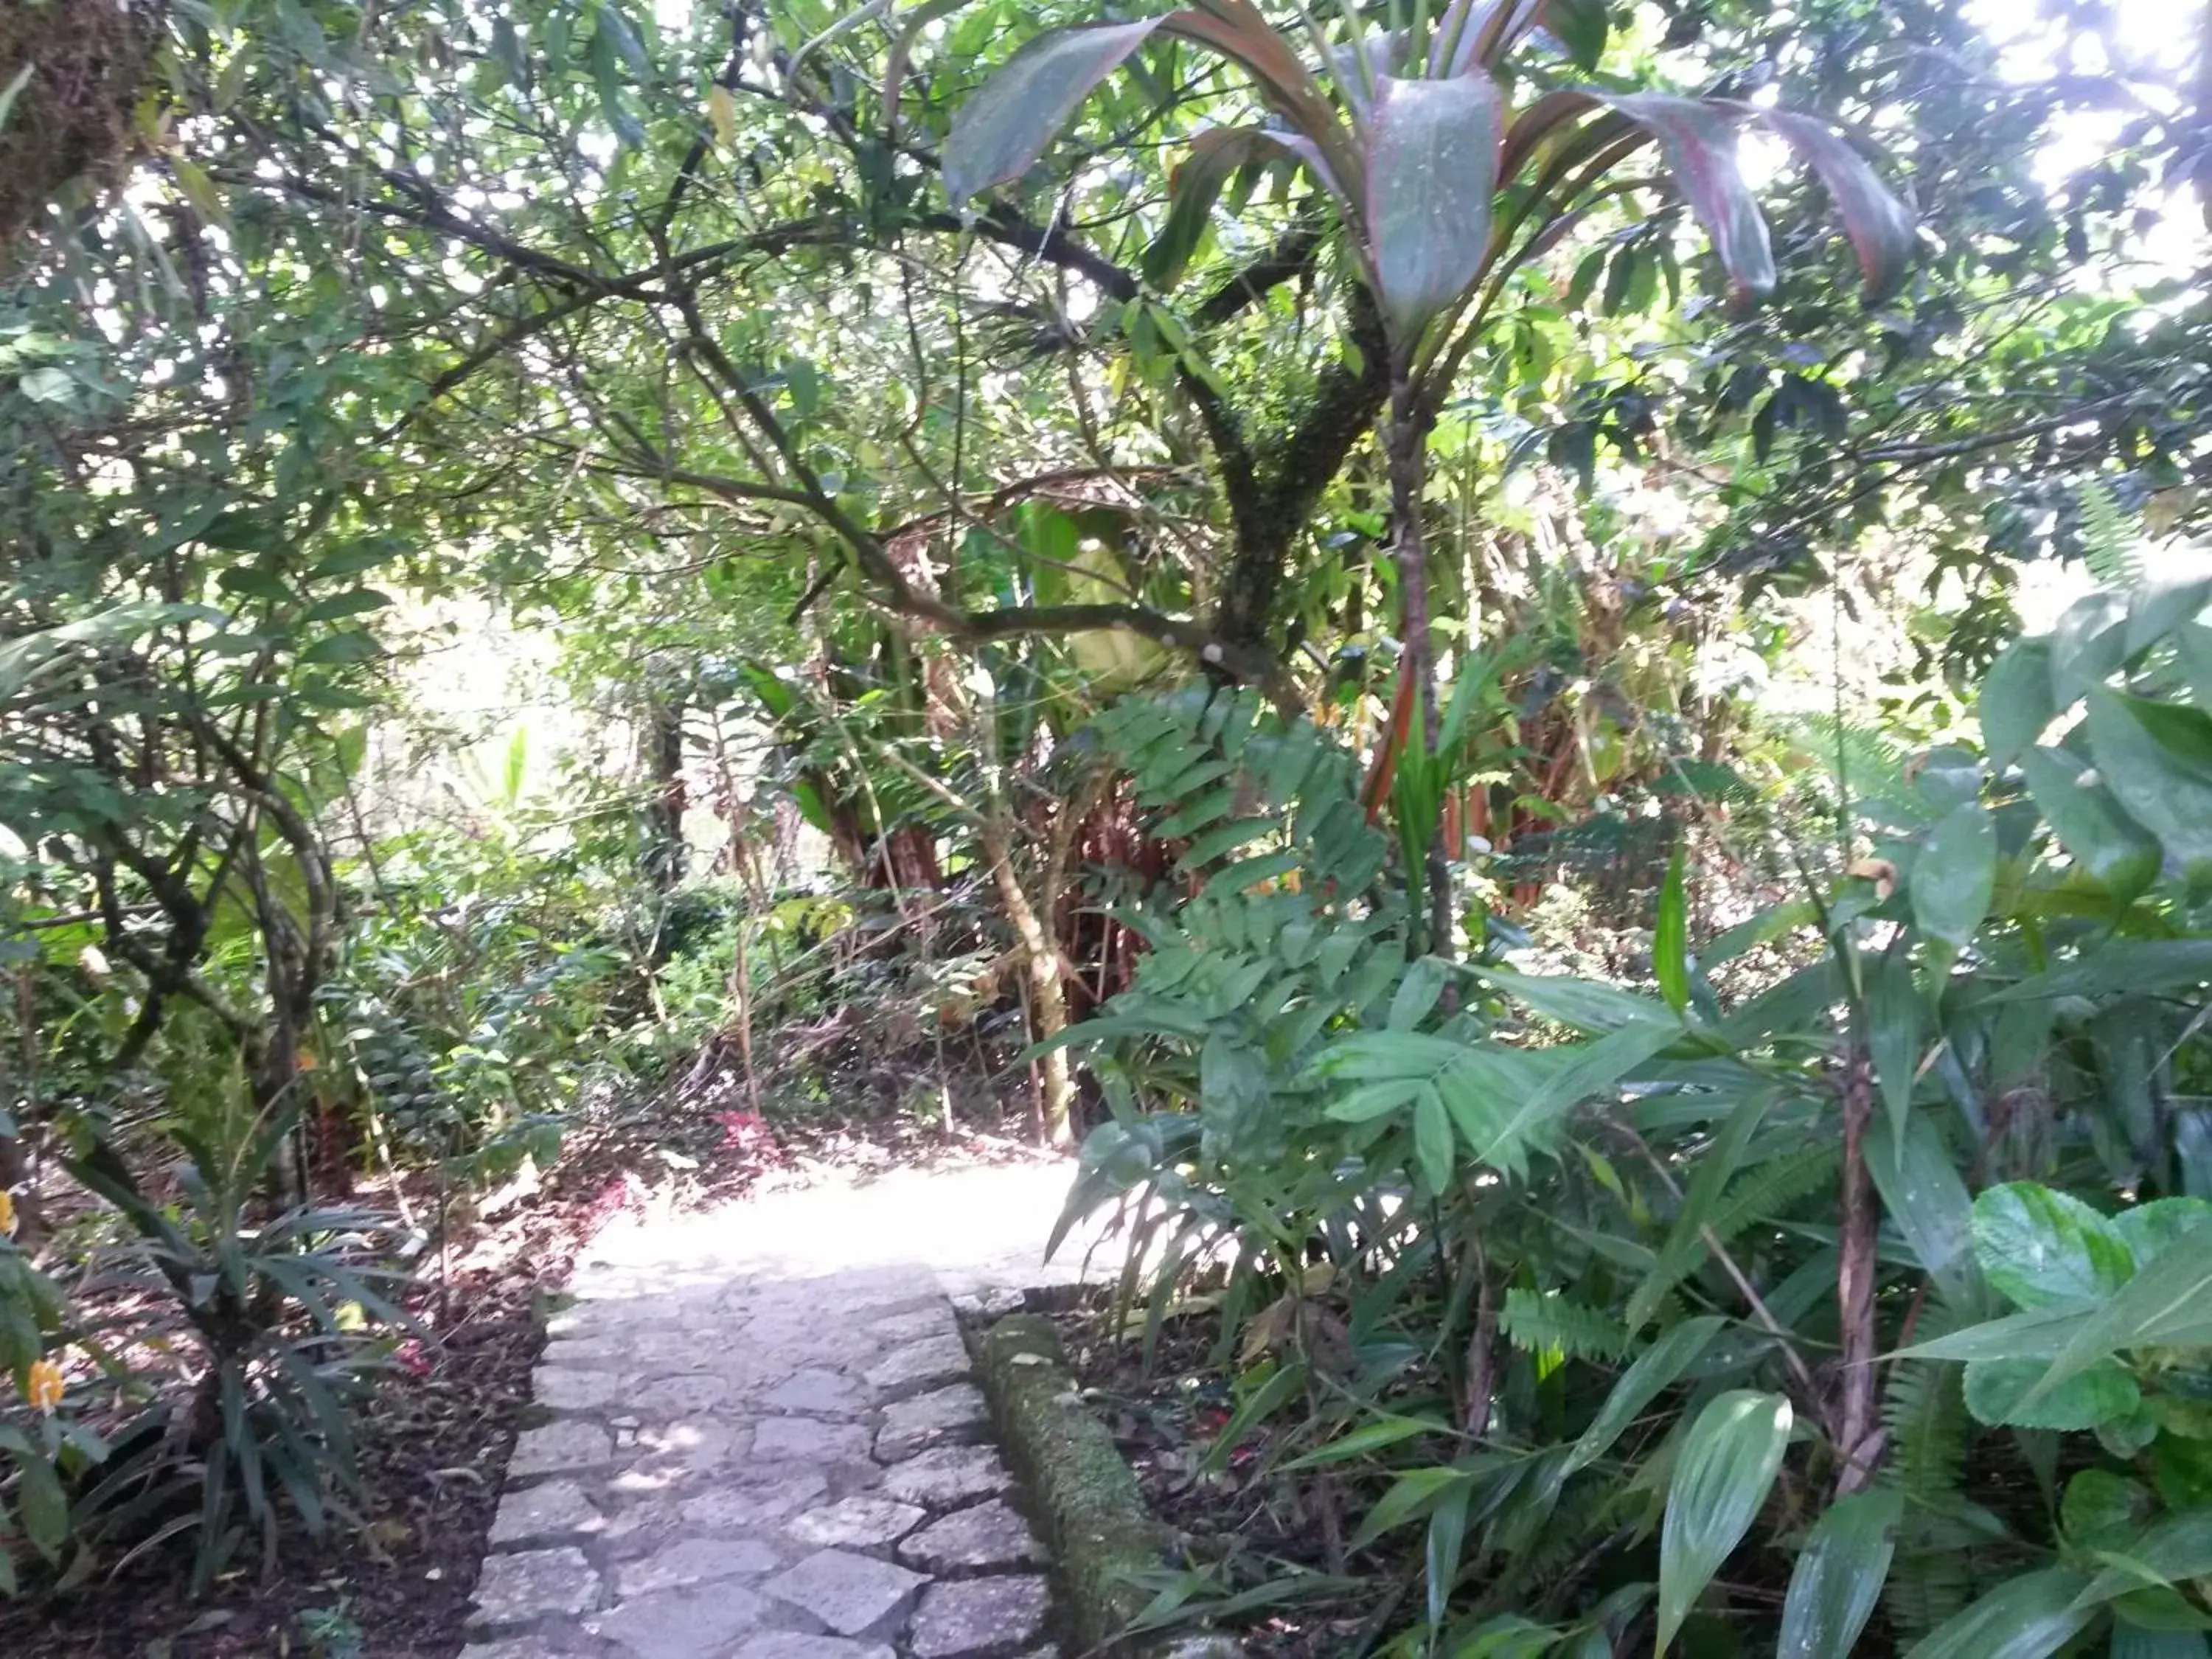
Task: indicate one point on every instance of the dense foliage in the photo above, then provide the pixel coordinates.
(1367, 603)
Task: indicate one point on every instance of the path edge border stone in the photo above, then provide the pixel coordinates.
(1082, 1496)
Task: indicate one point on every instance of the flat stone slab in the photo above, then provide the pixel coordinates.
(562, 1390)
(561, 1449)
(827, 1393)
(980, 1616)
(558, 1508)
(857, 1522)
(936, 1321)
(514, 1590)
(694, 1561)
(748, 1508)
(681, 1624)
(933, 1360)
(791, 1645)
(987, 1535)
(810, 1439)
(851, 1594)
(949, 1475)
(911, 1425)
(678, 1396)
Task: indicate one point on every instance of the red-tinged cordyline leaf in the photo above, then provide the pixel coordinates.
(1880, 226)
(1236, 30)
(1549, 115)
(1385, 52)
(1699, 141)
(1479, 32)
(1002, 130)
(1432, 150)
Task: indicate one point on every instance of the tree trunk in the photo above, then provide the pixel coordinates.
(1048, 998)
(663, 854)
(1408, 449)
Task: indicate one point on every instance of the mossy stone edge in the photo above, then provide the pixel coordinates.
(1082, 1496)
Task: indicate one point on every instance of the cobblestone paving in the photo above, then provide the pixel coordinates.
(756, 1439)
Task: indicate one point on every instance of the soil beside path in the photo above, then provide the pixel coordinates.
(759, 1439)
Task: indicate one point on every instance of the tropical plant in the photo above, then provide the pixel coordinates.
(1664, 1291)
(1441, 198)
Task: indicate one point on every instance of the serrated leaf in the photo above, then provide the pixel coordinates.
(2007, 1392)
(1839, 1575)
(1726, 1467)
(2041, 1249)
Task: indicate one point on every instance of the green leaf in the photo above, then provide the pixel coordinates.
(1447, 1537)
(2041, 1249)
(2091, 824)
(1588, 1004)
(1894, 1039)
(2168, 797)
(2133, 1641)
(1417, 993)
(1880, 226)
(1726, 1467)
(1698, 141)
(1214, 156)
(1839, 1575)
(1658, 1368)
(1431, 172)
(2006, 1391)
(1432, 1141)
(43, 1505)
(354, 645)
(1670, 938)
(2024, 1618)
(1580, 26)
(1371, 1437)
(2016, 703)
(2151, 1230)
(1004, 125)
(1955, 875)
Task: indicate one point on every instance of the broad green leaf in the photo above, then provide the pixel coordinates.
(1839, 1575)
(1371, 1437)
(43, 1506)
(1726, 1465)
(2016, 703)
(1410, 1496)
(1005, 123)
(1432, 1140)
(1697, 140)
(2131, 1641)
(2144, 966)
(2168, 797)
(1214, 157)
(1894, 1041)
(2006, 1391)
(1880, 226)
(1447, 1535)
(1587, 1004)
(2174, 590)
(1671, 937)
(1431, 172)
(1417, 993)
(2041, 1249)
(2166, 1304)
(1923, 1194)
(1656, 1369)
(2150, 1229)
(2090, 823)
(2175, 1551)
(2088, 644)
(2024, 1618)
(1955, 874)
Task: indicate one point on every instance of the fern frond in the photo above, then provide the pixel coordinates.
(1546, 1322)
(1923, 1410)
(2111, 539)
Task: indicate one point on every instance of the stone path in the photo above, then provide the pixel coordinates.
(759, 1439)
